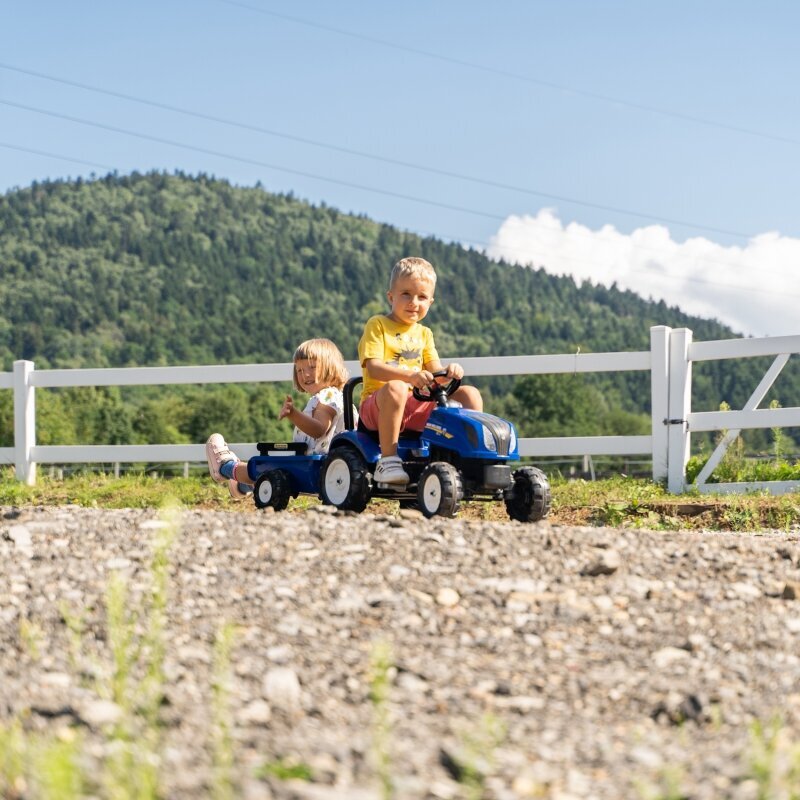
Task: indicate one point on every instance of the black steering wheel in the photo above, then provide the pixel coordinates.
(437, 392)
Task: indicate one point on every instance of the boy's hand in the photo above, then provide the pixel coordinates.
(455, 371)
(422, 379)
(286, 408)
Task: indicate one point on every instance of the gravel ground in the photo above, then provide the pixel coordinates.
(560, 662)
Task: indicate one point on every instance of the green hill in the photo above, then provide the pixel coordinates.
(163, 269)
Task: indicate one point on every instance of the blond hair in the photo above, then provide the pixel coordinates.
(414, 267)
(330, 363)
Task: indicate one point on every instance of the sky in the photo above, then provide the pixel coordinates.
(651, 144)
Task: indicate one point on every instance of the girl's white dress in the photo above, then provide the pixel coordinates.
(330, 396)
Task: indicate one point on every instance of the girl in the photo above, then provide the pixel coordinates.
(319, 370)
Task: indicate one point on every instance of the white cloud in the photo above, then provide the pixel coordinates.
(753, 288)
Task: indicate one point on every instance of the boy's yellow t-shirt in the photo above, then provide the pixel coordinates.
(405, 346)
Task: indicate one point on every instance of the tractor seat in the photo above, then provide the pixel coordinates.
(374, 434)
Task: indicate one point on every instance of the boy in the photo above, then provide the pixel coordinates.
(397, 354)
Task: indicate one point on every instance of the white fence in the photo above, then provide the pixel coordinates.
(669, 362)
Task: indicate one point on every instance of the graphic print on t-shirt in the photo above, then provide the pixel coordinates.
(408, 353)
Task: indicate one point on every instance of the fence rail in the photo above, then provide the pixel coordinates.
(669, 362)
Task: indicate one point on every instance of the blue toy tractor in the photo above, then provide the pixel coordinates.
(460, 455)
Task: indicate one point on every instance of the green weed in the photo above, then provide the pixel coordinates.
(12, 760)
(668, 785)
(478, 746)
(285, 770)
(774, 761)
(380, 681)
(136, 684)
(222, 784)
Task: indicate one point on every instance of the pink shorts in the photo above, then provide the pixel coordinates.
(414, 417)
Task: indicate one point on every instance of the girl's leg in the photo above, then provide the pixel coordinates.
(241, 475)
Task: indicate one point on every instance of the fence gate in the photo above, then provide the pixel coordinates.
(682, 421)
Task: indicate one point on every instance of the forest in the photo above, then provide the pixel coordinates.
(164, 269)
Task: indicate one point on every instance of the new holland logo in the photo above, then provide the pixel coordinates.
(430, 426)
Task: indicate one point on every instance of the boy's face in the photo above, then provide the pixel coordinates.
(410, 298)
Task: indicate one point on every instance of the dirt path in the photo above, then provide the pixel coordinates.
(561, 662)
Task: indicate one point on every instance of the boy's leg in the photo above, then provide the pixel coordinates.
(391, 401)
(469, 397)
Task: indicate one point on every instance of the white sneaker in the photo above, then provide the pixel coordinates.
(390, 470)
(217, 453)
(239, 491)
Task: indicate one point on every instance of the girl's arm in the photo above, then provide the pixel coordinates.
(315, 425)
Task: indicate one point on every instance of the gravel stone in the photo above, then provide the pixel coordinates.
(566, 662)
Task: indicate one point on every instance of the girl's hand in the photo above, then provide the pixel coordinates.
(455, 371)
(286, 408)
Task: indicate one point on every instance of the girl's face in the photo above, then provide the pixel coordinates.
(306, 372)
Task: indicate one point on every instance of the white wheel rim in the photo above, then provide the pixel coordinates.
(337, 481)
(432, 493)
(265, 491)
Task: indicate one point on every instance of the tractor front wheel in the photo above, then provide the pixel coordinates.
(528, 499)
(439, 490)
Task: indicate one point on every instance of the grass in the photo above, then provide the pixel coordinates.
(620, 501)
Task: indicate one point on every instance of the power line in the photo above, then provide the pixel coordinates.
(252, 161)
(313, 176)
(55, 156)
(455, 239)
(373, 156)
(516, 76)
(527, 250)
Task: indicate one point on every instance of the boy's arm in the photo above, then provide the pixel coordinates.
(453, 370)
(433, 364)
(379, 371)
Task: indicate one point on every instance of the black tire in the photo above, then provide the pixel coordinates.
(528, 500)
(273, 490)
(439, 490)
(344, 480)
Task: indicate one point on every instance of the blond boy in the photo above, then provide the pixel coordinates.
(397, 353)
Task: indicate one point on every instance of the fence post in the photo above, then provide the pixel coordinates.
(659, 398)
(24, 421)
(680, 405)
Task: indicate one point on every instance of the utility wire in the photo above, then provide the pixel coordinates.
(313, 176)
(372, 156)
(289, 170)
(484, 244)
(56, 156)
(527, 251)
(244, 160)
(515, 75)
